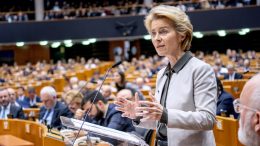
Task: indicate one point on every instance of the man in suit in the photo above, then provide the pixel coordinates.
(225, 102)
(104, 114)
(232, 74)
(248, 107)
(52, 109)
(8, 110)
(33, 98)
(22, 100)
(12, 95)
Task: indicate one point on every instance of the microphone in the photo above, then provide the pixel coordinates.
(116, 64)
(113, 66)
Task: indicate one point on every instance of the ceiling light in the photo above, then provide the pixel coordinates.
(20, 44)
(147, 37)
(55, 44)
(221, 33)
(43, 43)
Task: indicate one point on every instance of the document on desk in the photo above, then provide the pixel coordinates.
(103, 131)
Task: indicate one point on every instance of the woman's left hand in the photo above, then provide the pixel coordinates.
(150, 110)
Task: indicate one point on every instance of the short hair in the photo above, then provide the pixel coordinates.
(89, 97)
(20, 87)
(31, 90)
(48, 90)
(180, 20)
(72, 95)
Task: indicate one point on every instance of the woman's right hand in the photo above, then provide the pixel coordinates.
(127, 107)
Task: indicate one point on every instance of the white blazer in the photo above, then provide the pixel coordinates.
(191, 104)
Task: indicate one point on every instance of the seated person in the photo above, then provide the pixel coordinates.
(52, 109)
(248, 107)
(232, 74)
(125, 93)
(141, 84)
(12, 95)
(225, 102)
(73, 99)
(106, 91)
(22, 100)
(33, 99)
(105, 114)
(8, 110)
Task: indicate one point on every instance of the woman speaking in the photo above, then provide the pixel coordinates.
(184, 106)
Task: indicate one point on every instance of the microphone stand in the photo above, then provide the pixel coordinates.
(115, 65)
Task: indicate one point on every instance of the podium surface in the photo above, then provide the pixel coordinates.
(10, 140)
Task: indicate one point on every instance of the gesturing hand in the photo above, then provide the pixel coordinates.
(149, 110)
(127, 107)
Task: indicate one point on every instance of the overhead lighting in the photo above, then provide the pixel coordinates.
(93, 40)
(147, 37)
(221, 33)
(198, 35)
(55, 44)
(85, 42)
(68, 45)
(244, 31)
(43, 43)
(20, 44)
(67, 41)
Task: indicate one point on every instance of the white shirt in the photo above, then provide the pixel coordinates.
(49, 118)
(5, 111)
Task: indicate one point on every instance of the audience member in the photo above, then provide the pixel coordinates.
(104, 114)
(73, 99)
(52, 109)
(33, 99)
(22, 100)
(8, 110)
(225, 102)
(232, 74)
(107, 92)
(248, 107)
(12, 95)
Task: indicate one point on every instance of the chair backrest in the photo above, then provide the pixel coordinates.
(27, 130)
(226, 132)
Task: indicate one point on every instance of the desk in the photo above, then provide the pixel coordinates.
(10, 140)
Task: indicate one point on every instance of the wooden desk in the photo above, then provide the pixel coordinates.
(10, 140)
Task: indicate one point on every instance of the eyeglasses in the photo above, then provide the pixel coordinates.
(238, 106)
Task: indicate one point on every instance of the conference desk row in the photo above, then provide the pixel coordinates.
(15, 132)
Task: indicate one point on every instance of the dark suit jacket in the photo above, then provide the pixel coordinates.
(16, 112)
(24, 103)
(236, 77)
(38, 99)
(115, 120)
(225, 103)
(59, 110)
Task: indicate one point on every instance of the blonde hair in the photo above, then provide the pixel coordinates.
(72, 95)
(181, 22)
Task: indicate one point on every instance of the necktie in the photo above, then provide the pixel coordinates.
(3, 114)
(44, 120)
(162, 129)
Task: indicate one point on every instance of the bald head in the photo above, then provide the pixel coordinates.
(106, 91)
(125, 93)
(249, 123)
(12, 94)
(250, 94)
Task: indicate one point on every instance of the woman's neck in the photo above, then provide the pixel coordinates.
(173, 58)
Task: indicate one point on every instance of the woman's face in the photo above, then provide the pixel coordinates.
(164, 37)
(117, 77)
